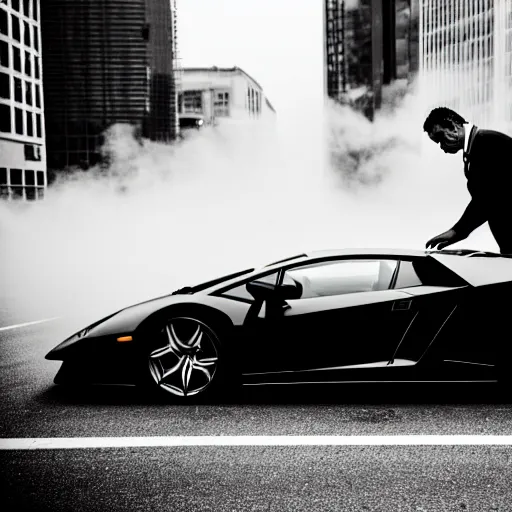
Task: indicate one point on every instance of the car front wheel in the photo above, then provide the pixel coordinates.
(184, 358)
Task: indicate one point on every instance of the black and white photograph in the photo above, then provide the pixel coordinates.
(256, 255)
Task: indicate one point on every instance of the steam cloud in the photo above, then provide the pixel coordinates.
(164, 216)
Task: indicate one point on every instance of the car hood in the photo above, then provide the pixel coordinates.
(128, 319)
(124, 321)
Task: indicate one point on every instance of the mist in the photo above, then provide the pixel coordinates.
(228, 198)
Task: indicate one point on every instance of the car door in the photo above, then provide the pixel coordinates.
(450, 339)
(346, 316)
(462, 348)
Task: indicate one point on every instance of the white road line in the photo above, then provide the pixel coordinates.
(58, 443)
(28, 323)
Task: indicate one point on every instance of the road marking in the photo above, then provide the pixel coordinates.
(28, 323)
(59, 443)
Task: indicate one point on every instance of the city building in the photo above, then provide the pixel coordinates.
(369, 45)
(106, 63)
(22, 131)
(466, 58)
(211, 95)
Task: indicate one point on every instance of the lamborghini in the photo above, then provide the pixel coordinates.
(323, 317)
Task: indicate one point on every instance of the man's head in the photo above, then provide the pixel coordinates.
(446, 128)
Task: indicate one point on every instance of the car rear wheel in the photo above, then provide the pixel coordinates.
(185, 359)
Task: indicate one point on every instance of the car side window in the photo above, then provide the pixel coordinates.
(342, 276)
(240, 291)
(407, 276)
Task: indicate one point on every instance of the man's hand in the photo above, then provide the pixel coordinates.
(444, 239)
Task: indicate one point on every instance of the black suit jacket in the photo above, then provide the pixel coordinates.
(488, 170)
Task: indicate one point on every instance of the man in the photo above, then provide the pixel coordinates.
(487, 156)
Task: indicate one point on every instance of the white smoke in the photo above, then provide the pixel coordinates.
(164, 216)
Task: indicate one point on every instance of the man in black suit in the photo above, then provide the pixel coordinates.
(487, 156)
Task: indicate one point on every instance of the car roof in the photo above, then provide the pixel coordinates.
(486, 269)
(372, 251)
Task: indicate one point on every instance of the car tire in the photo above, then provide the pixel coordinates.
(184, 360)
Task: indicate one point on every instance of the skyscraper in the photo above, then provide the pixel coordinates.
(368, 44)
(104, 63)
(22, 134)
(466, 58)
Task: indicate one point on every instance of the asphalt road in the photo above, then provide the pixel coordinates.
(242, 478)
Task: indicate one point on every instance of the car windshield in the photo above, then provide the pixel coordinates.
(208, 284)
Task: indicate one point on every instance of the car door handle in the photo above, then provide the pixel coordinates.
(402, 305)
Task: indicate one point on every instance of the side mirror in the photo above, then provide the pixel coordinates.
(261, 290)
(288, 292)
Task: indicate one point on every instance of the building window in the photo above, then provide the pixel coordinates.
(26, 34)
(28, 64)
(38, 96)
(28, 93)
(35, 38)
(37, 68)
(18, 90)
(16, 177)
(3, 176)
(38, 125)
(26, 8)
(17, 58)
(32, 153)
(5, 118)
(30, 184)
(221, 104)
(40, 178)
(18, 121)
(249, 99)
(4, 54)
(15, 4)
(192, 102)
(4, 25)
(30, 193)
(30, 123)
(16, 183)
(30, 178)
(5, 86)
(35, 13)
(16, 33)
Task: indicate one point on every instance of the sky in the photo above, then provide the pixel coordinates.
(278, 42)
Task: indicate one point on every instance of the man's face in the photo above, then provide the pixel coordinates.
(450, 137)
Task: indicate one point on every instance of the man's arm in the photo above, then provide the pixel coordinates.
(472, 218)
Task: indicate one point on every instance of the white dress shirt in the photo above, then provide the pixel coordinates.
(467, 130)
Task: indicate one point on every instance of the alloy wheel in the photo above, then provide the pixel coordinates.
(187, 359)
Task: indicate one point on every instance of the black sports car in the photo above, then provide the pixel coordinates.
(322, 317)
